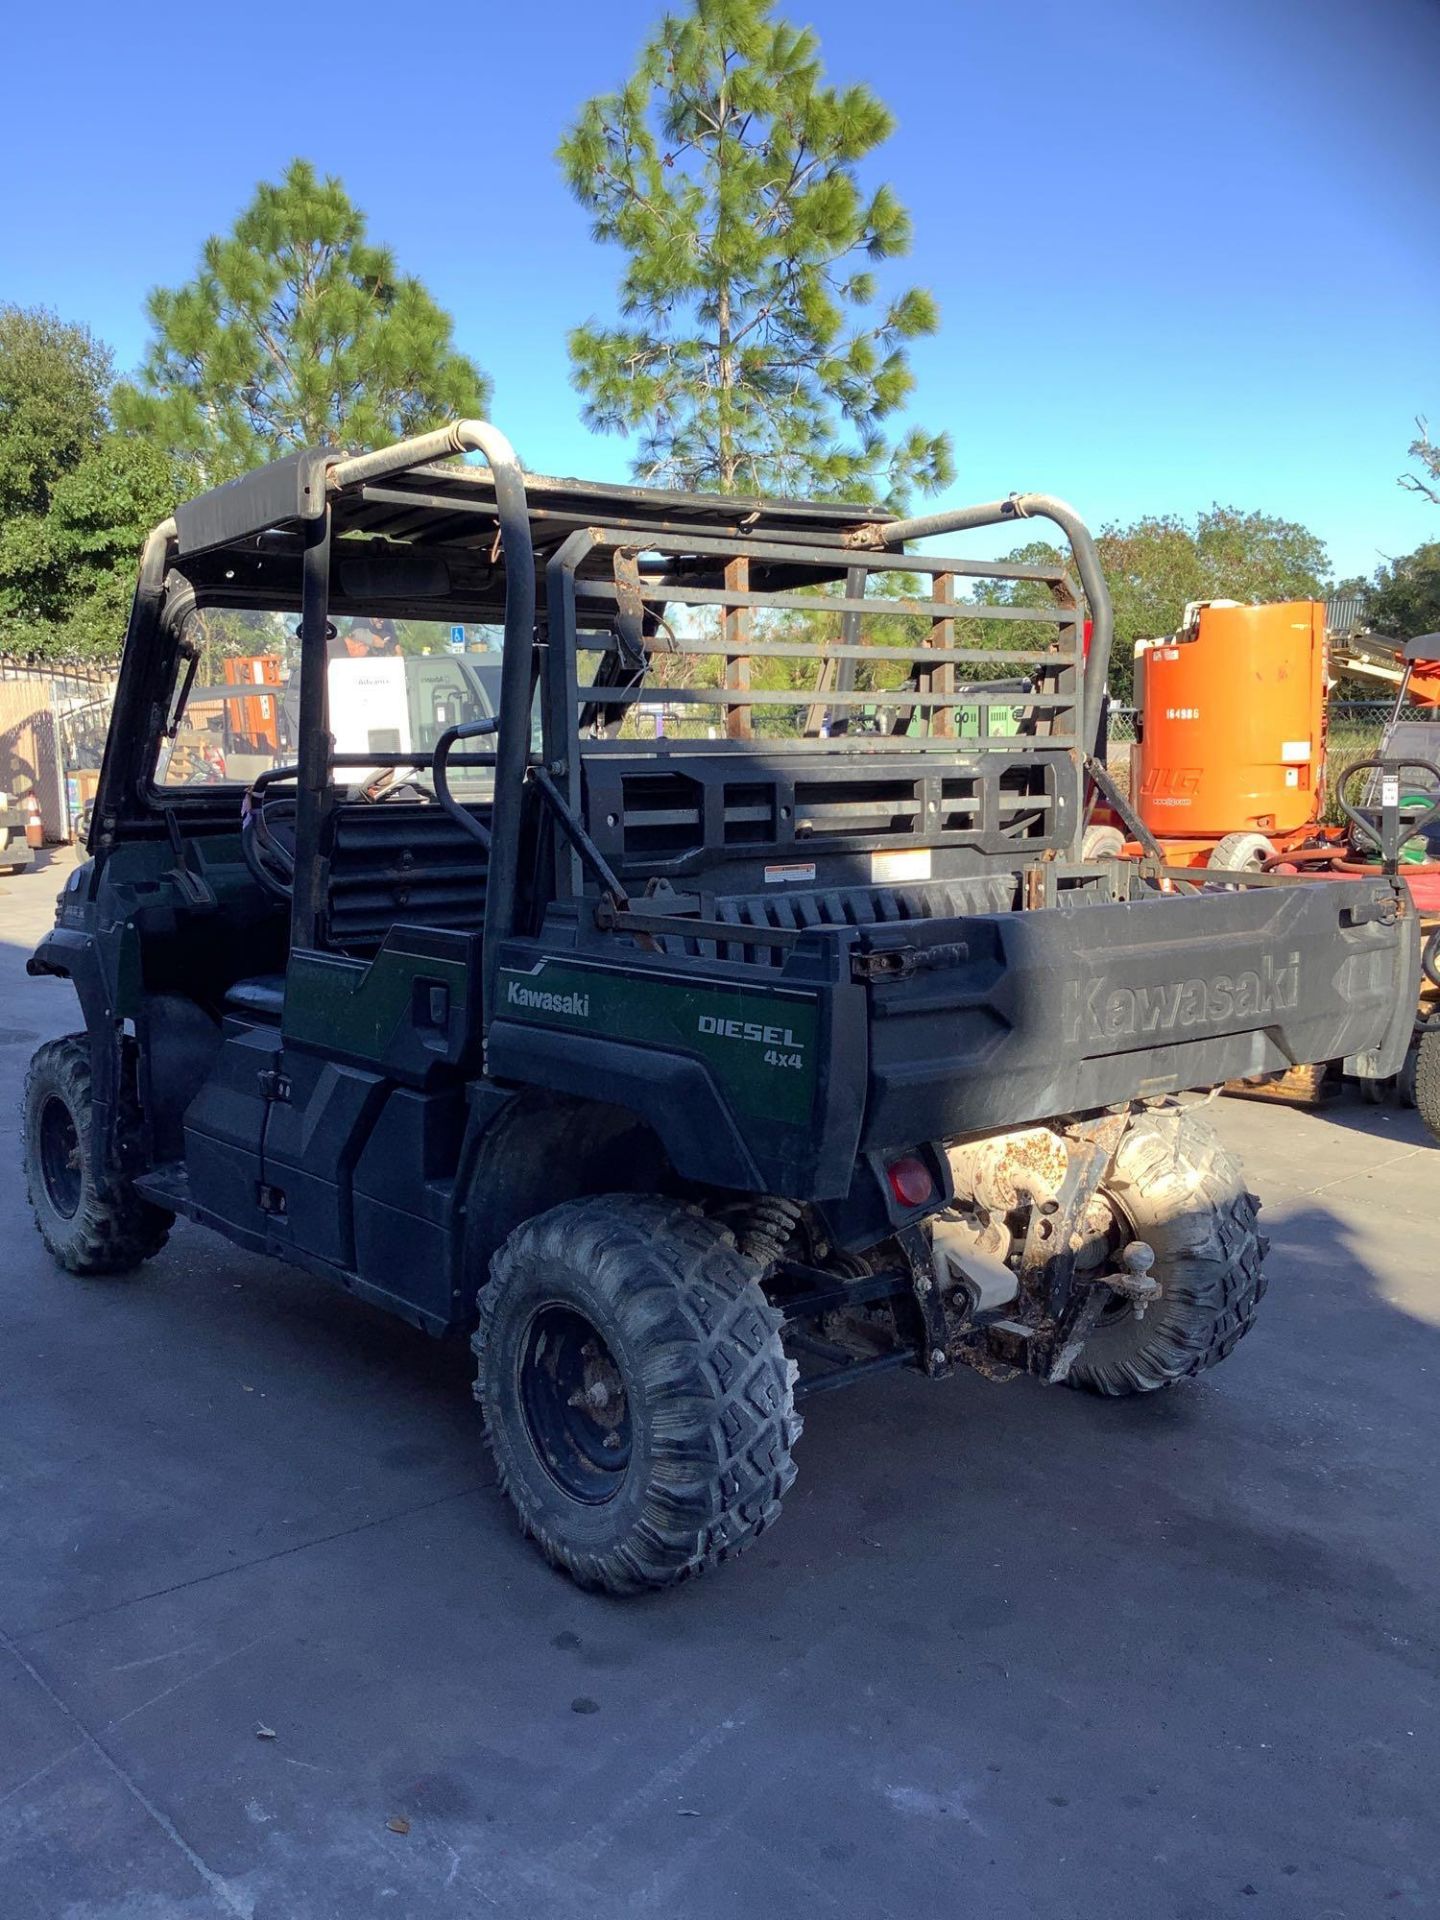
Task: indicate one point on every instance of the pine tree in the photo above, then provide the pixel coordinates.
(295, 331)
(755, 353)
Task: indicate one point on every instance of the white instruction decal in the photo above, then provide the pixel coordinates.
(887, 868)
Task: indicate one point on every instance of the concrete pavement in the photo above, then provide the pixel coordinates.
(1011, 1652)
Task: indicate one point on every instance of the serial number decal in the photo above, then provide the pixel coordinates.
(888, 869)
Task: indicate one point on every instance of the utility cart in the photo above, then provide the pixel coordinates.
(727, 1017)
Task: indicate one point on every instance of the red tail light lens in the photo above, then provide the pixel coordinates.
(910, 1181)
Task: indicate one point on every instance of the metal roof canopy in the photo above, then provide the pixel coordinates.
(426, 539)
(455, 505)
(410, 535)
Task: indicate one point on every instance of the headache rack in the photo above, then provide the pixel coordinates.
(713, 697)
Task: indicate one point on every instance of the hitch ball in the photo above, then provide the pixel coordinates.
(1136, 1284)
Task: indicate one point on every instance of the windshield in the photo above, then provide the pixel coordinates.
(394, 687)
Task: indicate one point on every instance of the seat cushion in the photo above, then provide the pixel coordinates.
(264, 995)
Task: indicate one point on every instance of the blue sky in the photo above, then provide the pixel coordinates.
(1185, 250)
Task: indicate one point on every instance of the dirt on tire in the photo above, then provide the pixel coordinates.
(709, 1390)
(1175, 1186)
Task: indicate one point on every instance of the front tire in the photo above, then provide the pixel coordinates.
(638, 1401)
(1102, 843)
(88, 1214)
(1173, 1184)
(1241, 853)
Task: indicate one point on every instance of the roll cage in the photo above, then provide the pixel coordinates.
(592, 583)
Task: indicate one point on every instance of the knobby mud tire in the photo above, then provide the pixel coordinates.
(709, 1391)
(1175, 1186)
(109, 1229)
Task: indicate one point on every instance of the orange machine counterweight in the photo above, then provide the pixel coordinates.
(1234, 722)
(254, 721)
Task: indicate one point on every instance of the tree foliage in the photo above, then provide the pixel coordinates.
(1403, 599)
(1424, 450)
(76, 499)
(53, 381)
(296, 331)
(1156, 566)
(755, 353)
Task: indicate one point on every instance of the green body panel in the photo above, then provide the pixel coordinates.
(363, 1008)
(761, 1044)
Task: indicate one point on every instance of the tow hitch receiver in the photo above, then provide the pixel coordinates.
(1137, 1283)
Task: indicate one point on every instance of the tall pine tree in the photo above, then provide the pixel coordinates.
(756, 352)
(295, 331)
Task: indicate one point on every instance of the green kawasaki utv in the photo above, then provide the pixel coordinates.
(722, 1013)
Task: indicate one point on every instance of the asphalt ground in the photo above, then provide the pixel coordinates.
(1011, 1651)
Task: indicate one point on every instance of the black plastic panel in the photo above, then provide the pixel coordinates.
(398, 862)
(225, 1126)
(313, 1138)
(684, 813)
(1065, 1011)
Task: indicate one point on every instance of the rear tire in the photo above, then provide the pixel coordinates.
(90, 1217)
(639, 1404)
(1427, 1080)
(1173, 1184)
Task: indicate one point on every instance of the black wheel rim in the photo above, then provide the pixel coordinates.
(60, 1157)
(576, 1410)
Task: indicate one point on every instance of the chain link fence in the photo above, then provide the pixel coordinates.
(1354, 727)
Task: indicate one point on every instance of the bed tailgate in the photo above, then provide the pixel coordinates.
(995, 1020)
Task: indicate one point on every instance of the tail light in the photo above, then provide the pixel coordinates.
(910, 1180)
